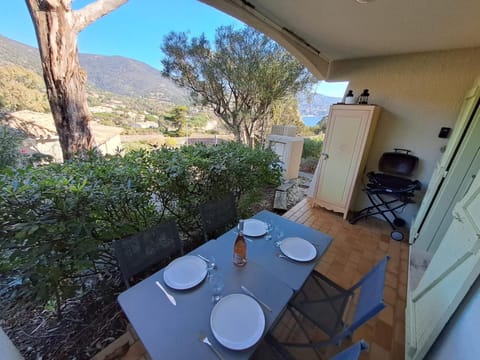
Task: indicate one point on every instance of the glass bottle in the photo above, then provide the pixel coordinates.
(349, 98)
(363, 98)
(240, 247)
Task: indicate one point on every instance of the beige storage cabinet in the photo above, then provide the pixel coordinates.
(350, 130)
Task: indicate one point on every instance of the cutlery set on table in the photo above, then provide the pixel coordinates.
(245, 311)
(242, 309)
(207, 298)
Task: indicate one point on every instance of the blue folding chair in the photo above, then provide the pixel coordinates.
(336, 311)
(352, 352)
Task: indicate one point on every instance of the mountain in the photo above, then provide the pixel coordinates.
(115, 74)
(315, 105)
(129, 77)
(15, 53)
(134, 79)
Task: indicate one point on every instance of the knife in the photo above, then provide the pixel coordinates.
(248, 292)
(169, 297)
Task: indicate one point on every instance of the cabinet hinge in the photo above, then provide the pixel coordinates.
(445, 173)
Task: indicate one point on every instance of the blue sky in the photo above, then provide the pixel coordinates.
(134, 30)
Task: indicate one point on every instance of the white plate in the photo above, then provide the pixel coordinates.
(237, 321)
(185, 272)
(298, 249)
(254, 227)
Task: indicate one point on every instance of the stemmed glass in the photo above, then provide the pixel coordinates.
(269, 231)
(216, 282)
(211, 265)
(278, 235)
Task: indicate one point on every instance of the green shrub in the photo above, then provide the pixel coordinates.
(312, 147)
(309, 164)
(10, 141)
(58, 220)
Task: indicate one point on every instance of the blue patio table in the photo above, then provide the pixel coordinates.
(171, 332)
(262, 251)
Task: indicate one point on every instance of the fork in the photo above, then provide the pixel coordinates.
(203, 338)
(281, 256)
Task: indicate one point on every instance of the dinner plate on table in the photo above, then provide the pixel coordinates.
(254, 228)
(237, 321)
(185, 272)
(298, 249)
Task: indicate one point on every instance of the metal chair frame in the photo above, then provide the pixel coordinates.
(364, 300)
(352, 352)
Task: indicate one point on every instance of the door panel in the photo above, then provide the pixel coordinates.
(452, 270)
(456, 185)
(461, 126)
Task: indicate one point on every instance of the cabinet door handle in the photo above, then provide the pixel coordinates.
(325, 156)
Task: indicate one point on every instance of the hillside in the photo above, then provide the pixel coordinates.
(114, 80)
(114, 74)
(129, 77)
(21, 88)
(315, 104)
(15, 53)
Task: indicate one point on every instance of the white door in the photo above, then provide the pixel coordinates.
(451, 272)
(455, 184)
(467, 111)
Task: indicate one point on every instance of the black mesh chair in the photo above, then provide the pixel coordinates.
(321, 304)
(139, 252)
(390, 190)
(218, 216)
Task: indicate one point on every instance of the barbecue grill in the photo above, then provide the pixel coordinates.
(391, 189)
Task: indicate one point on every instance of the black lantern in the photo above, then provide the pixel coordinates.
(363, 98)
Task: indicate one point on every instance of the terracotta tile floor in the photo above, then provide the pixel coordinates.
(354, 250)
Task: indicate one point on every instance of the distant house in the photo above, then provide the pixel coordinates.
(145, 125)
(42, 135)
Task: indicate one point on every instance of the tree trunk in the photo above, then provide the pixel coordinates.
(64, 78)
(57, 28)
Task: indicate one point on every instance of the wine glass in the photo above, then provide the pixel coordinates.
(211, 265)
(216, 282)
(269, 231)
(279, 234)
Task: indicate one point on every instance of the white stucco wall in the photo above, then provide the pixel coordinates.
(419, 94)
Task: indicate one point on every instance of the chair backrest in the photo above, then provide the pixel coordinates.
(218, 216)
(138, 252)
(368, 298)
(352, 352)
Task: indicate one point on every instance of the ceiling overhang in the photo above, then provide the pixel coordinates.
(308, 55)
(319, 32)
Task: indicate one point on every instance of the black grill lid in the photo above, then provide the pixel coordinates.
(398, 163)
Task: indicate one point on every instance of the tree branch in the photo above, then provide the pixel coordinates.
(94, 11)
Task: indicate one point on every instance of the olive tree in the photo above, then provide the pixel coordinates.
(57, 27)
(241, 76)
